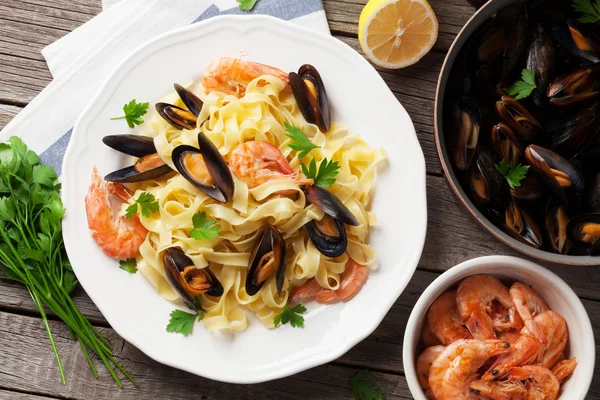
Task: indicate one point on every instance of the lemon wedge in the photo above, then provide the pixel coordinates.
(397, 33)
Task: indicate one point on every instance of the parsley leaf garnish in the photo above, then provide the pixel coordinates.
(301, 142)
(290, 315)
(146, 202)
(247, 5)
(129, 265)
(590, 11)
(363, 387)
(133, 113)
(523, 88)
(328, 170)
(514, 174)
(183, 322)
(204, 229)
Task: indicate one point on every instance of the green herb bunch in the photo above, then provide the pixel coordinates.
(32, 250)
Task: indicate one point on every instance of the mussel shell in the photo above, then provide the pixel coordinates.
(541, 57)
(130, 174)
(591, 197)
(133, 145)
(269, 239)
(330, 204)
(175, 261)
(576, 224)
(506, 144)
(574, 88)
(191, 101)
(315, 110)
(518, 118)
(222, 189)
(467, 121)
(542, 161)
(530, 190)
(515, 48)
(520, 225)
(571, 37)
(556, 227)
(330, 246)
(577, 132)
(176, 116)
(490, 182)
(492, 44)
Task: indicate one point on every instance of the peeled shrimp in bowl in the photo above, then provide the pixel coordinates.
(550, 300)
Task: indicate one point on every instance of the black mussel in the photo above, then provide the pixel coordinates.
(149, 164)
(178, 117)
(492, 45)
(488, 187)
(556, 227)
(585, 228)
(467, 118)
(309, 92)
(205, 168)
(488, 84)
(518, 118)
(515, 48)
(577, 132)
(572, 37)
(530, 190)
(521, 226)
(541, 57)
(574, 88)
(591, 196)
(266, 260)
(187, 280)
(329, 234)
(556, 173)
(506, 144)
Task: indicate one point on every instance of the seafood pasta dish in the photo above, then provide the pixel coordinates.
(244, 196)
(483, 340)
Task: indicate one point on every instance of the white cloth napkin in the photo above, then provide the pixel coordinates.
(81, 60)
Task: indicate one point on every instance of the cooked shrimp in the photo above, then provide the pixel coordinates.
(428, 338)
(456, 367)
(563, 369)
(541, 384)
(474, 301)
(505, 390)
(117, 237)
(527, 349)
(424, 362)
(233, 75)
(529, 304)
(306, 292)
(444, 320)
(554, 327)
(258, 162)
(509, 336)
(351, 281)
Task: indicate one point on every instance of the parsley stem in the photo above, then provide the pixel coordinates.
(116, 118)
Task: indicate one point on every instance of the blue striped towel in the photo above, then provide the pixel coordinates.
(81, 61)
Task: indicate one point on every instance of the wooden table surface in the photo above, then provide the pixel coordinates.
(27, 367)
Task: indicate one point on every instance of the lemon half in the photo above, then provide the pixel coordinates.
(397, 33)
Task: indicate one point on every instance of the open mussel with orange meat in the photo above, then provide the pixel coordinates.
(267, 260)
(309, 92)
(328, 234)
(205, 168)
(188, 280)
(178, 117)
(149, 164)
(524, 136)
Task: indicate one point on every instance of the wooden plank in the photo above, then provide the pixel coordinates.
(10, 395)
(27, 365)
(7, 113)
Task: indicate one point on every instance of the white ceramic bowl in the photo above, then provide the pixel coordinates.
(559, 296)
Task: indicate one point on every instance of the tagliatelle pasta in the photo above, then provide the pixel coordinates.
(259, 115)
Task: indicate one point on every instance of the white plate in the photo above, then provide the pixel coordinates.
(360, 99)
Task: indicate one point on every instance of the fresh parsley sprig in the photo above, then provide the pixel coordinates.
(514, 174)
(183, 322)
(301, 142)
(590, 11)
(291, 315)
(129, 265)
(524, 87)
(325, 177)
(363, 387)
(134, 112)
(247, 5)
(146, 202)
(204, 228)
